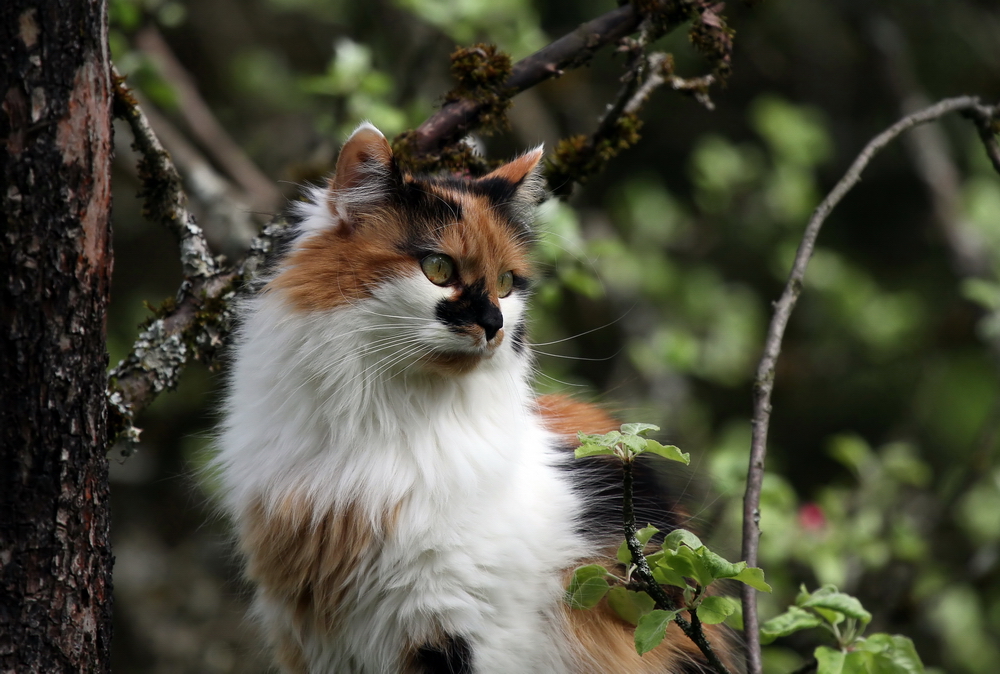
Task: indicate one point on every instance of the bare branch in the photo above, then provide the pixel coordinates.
(197, 321)
(764, 381)
(227, 217)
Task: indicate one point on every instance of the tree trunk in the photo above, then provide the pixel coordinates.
(55, 269)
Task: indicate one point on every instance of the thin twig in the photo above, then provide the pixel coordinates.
(986, 120)
(692, 629)
(764, 381)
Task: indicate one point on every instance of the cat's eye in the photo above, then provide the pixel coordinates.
(438, 268)
(505, 283)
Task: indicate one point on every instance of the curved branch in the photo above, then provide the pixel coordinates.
(764, 381)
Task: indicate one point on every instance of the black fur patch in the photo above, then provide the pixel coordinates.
(599, 481)
(453, 657)
(518, 336)
(473, 307)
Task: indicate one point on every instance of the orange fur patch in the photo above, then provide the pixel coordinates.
(566, 416)
(306, 561)
(482, 244)
(334, 268)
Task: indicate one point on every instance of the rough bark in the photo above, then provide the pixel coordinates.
(55, 268)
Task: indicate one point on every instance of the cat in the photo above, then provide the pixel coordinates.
(403, 500)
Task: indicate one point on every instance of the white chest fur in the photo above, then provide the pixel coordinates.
(481, 517)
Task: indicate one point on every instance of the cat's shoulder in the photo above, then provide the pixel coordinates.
(566, 416)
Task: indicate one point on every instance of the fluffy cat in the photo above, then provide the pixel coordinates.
(403, 500)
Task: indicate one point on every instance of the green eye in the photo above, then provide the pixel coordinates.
(438, 268)
(505, 283)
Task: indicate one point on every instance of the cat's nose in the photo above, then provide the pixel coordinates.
(490, 319)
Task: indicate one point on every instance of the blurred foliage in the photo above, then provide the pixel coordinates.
(655, 291)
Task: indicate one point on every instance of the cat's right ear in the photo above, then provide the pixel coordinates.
(366, 173)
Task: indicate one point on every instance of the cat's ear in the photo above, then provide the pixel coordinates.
(365, 158)
(366, 175)
(524, 174)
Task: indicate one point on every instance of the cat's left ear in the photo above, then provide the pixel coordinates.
(366, 176)
(366, 158)
(524, 174)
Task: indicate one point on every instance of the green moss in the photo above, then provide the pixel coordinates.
(124, 102)
(457, 158)
(577, 158)
(481, 73)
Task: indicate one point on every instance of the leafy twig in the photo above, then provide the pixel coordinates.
(764, 381)
(692, 629)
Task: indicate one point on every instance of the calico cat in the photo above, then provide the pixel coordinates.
(403, 501)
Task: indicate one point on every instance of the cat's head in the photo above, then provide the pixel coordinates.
(442, 262)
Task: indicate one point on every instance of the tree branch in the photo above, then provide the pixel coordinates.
(456, 118)
(764, 381)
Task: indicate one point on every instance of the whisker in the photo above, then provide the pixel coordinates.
(559, 355)
(585, 332)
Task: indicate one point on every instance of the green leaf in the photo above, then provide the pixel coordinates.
(718, 566)
(631, 606)
(898, 652)
(668, 452)
(829, 661)
(753, 577)
(635, 444)
(684, 561)
(714, 610)
(651, 630)
(830, 599)
(638, 429)
(587, 587)
(681, 536)
(664, 575)
(591, 449)
(643, 535)
(607, 440)
(789, 622)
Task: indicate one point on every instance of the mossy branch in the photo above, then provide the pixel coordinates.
(162, 191)
(461, 115)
